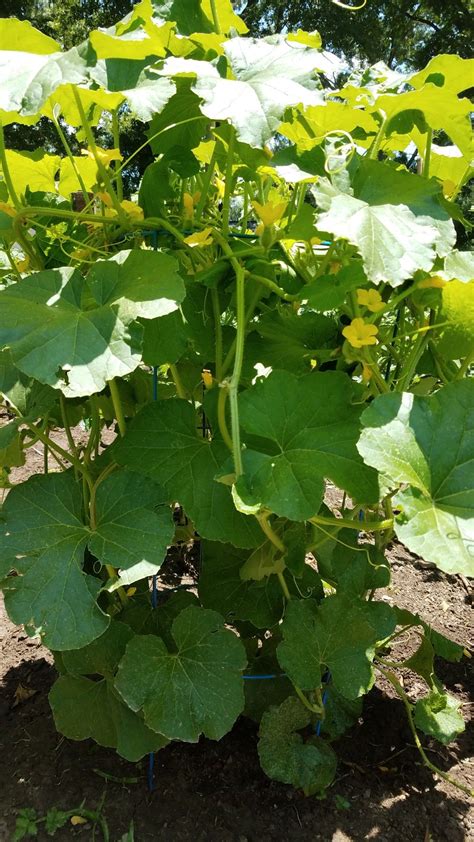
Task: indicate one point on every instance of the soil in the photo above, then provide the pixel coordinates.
(216, 790)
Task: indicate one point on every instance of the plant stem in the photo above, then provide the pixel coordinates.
(275, 288)
(205, 186)
(271, 534)
(6, 172)
(102, 170)
(306, 702)
(375, 148)
(221, 419)
(254, 299)
(408, 707)
(464, 367)
(116, 135)
(67, 429)
(218, 331)
(118, 409)
(215, 17)
(239, 351)
(427, 157)
(70, 156)
(235, 379)
(180, 390)
(366, 525)
(228, 183)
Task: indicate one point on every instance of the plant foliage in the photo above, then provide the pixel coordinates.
(281, 310)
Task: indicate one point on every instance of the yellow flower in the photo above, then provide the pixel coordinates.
(334, 267)
(105, 156)
(188, 203)
(371, 299)
(75, 820)
(132, 209)
(200, 238)
(358, 333)
(220, 187)
(81, 254)
(23, 265)
(207, 378)
(435, 282)
(7, 209)
(106, 199)
(269, 213)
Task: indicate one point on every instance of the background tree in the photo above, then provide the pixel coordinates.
(399, 32)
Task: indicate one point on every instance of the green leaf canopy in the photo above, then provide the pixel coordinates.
(195, 689)
(427, 445)
(270, 75)
(162, 442)
(316, 637)
(76, 336)
(42, 523)
(307, 431)
(285, 757)
(85, 708)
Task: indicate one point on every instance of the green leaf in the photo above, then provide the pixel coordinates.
(422, 661)
(287, 340)
(442, 646)
(20, 36)
(441, 108)
(340, 713)
(55, 819)
(102, 656)
(328, 292)
(84, 709)
(222, 588)
(437, 715)
(26, 92)
(340, 634)
(448, 71)
(42, 520)
(195, 689)
(427, 444)
(89, 332)
(132, 530)
(162, 442)
(459, 265)
(43, 523)
(269, 75)
(36, 170)
(353, 568)
(284, 756)
(260, 693)
(392, 241)
(307, 431)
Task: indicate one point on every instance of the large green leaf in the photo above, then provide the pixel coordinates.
(340, 634)
(162, 442)
(43, 526)
(393, 242)
(21, 36)
(195, 689)
(438, 716)
(42, 521)
(85, 709)
(269, 75)
(26, 92)
(287, 340)
(284, 756)
(222, 588)
(427, 445)
(307, 431)
(132, 530)
(76, 336)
